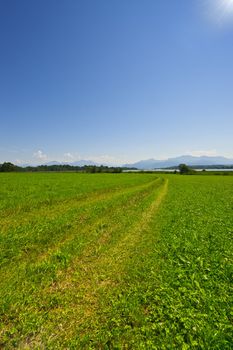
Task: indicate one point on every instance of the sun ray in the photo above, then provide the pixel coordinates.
(223, 9)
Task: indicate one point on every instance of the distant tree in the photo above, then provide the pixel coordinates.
(184, 169)
(8, 167)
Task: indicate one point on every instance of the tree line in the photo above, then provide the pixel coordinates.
(9, 167)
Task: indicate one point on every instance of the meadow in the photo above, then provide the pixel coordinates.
(116, 261)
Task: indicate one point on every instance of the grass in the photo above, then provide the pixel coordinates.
(116, 261)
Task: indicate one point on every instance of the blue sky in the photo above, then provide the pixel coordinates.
(115, 81)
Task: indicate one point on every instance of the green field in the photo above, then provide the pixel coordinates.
(116, 261)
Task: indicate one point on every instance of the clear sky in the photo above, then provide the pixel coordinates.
(116, 81)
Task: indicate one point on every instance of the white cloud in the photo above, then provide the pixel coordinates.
(106, 159)
(228, 155)
(19, 162)
(208, 153)
(39, 155)
(68, 156)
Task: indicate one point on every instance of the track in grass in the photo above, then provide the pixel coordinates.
(95, 264)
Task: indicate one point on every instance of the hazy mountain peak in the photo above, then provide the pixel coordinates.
(187, 159)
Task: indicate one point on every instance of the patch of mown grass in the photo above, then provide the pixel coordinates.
(31, 235)
(36, 260)
(30, 191)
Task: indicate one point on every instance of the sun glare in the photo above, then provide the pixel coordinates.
(224, 8)
(219, 11)
(227, 5)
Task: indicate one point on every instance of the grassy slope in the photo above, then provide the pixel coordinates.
(117, 261)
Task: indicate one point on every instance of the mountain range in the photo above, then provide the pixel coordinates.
(149, 164)
(77, 163)
(54, 162)
(186, 159)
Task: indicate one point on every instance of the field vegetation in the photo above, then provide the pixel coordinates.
(116, 261)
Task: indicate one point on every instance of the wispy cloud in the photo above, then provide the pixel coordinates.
(68, 156)
(106, 159)
(199, 153)
(19, 161)
(39, 155)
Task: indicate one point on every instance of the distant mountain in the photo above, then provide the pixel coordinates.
(23, 165)
(77, 163)
(186, 159)
(83, 163)
(53, 162)
(80, 163)
(155, 164)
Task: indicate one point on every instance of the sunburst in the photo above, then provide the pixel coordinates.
(223, 9)
(225, 6)
(220, 11)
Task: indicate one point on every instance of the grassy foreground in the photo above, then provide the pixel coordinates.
(121, 261)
